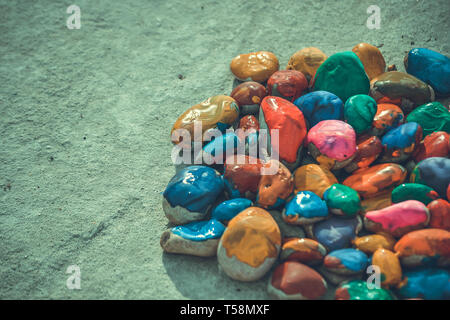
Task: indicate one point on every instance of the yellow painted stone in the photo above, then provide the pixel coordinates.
(371, 58)
(377, 202)
(314, 178)
(372, 242)
(256, 66)
(390, 268)
(307, 61)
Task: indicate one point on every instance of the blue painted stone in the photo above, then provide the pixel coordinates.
(349, 259)
(432, 284)
(305, 207)
(431, 67)
(200, 230)
(194, 188)
(401, 137)
(336, 233)
(221, 144)
(320, 105)
(433, 172)
(228, 209)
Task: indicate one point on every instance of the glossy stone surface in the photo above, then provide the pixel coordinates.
(427, 283)
(241, 178)
(215, 152)
(320, 105)
(398, 219)
(332, 143)
(368, 148)
(377, 179)
(248, 125)
(426, 247)
(294, 281)
(256, 66)
(359, 111)
(303, 250)
(431, 67)
(436, 144)
(433, 172)
(342, 74)
(287, 84)
(399, 143)
(432, 117)
(342, 200)
(390, 268)
(228, 209)
(372, 242)
(314, 178)
(358, 290)
(376, 202)
(387, 117)
(346, 261)
(371, 58)
(440, 214)
(399, 85)
(190, 193)
(250, 245)
(305, 207)
(413, 191)
(307, 61)
(248, 96)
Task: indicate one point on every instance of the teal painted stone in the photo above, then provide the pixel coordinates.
(432, 117)
(342, 74)
(342, 200)
(359, 112)
(413, 191)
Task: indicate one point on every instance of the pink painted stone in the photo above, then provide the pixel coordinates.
(334, 138)
(398, 219)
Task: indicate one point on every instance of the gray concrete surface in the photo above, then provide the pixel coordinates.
(85, 117)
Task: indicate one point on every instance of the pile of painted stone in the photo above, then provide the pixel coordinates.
(362, 178)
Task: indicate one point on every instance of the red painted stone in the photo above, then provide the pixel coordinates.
(436, 144)
(244, 177)
(288, 84)
(440, 214)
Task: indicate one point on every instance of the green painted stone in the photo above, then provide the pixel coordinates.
(414, 191)
(342, 74)
(342, 200)
(358, 290)
(432, 117)
(359, 112)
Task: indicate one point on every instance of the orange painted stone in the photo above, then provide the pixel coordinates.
(371, 58)
(426, 247)
(303, 250)
(242, 177)
(250, 245)
(390, 268)
(256, 66)
(372, 242)
(274, 189)
(368, 149)
(376, 202)
(307, 61)
(388, 116)
(440, 214)
(314, 178)
(369, 182)
(436, 144)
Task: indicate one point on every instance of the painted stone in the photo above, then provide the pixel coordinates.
(287, 84)
(332, 143)
(314, 178)
(255, 66)
(215, 152)
(190, 194)
(294, 281)
(400, 85)
(346, 261)
(279, 114)
(413, 191)
(431, 67)
(358, 290)
(336, 278)
(368, 148)
(250, 245)
(369, 182)
(429, 283)
(432, 117)
(303, 250)
(320, 105)
(248, 96)
(241, 177)
(359, 111)
(228, 209)
(398, 219)
(275, 189)
(287, 230)
(426, 247)
(390, 268)
(307, 61)
(376, 202)
(335, 233)
(306, 207)
(218, 112)
(372, 242)
(342, 74)
(436, 144)
(342, 200)
(388, 116)
(248, 126)
(399, 143)
(440, 214)
(371, 58)
(199, 238)
(433, 172)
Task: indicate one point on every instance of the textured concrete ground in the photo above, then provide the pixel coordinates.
(85, 118)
